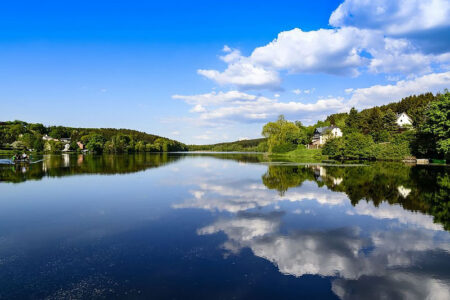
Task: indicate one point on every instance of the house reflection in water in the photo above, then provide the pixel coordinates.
(80, 159)
(404, 192)
(320, 174)
(66, 160)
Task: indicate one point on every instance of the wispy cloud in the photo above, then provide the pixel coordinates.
(242, 107)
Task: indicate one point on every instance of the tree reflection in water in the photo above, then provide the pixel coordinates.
(407, 259)
(420, 188)
(75, 164)
(378, 231)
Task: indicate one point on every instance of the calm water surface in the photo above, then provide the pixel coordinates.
(222, 226)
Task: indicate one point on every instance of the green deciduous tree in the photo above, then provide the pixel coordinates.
(281, 134)
(28, 140)
(95, 142)
(357, 145)
(58, 132)
(38, 128)
(38, 144)
(334, 148)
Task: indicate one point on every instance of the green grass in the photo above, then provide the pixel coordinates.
(302, 155)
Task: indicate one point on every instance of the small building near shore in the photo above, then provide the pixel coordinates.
(403, 120)
(322, 134)
(48, 138)
(80, 145)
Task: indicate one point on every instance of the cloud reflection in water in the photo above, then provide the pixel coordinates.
(399, 258)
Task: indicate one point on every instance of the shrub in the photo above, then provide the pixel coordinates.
(390, 151)
(53, 146)
(334, 148)
(262, 147)
(357, 146)
(18, 145)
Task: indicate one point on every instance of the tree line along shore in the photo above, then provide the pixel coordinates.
(373, 134)
(22, 136)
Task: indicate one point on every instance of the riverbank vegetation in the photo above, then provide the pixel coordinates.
(301, 153)
(253, 145)
(373, 133)
(19, 135)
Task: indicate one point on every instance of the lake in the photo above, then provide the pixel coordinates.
(222, 226)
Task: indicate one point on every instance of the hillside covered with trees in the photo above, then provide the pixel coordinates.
(252, 145)
(373, 133)
(18, 135)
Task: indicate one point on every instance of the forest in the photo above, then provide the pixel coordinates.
(253, 145)
(373, 133)
(19, 135)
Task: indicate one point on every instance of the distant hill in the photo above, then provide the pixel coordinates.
(20, 134)
(259, 145)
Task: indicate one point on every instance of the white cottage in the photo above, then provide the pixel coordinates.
(403, 120)
(66, 148)
(48, 138)
(322, 134)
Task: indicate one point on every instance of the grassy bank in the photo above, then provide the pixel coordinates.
(302, 154)
(316, 155)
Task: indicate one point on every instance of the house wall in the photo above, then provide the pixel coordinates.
(403, 120)
(336, 132)
(321, 139)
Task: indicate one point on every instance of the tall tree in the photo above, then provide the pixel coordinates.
(437, 123)
(353, 121)
(389, 121)
(375, 124)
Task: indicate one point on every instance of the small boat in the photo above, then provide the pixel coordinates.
(6, 162)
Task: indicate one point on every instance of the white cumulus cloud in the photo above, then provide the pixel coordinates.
(393, 17)
(242, 72)
(385, 36)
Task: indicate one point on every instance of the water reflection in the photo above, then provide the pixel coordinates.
(376, 231)
(75, 164)
(374, 190)
(419, 188)
(402, 254)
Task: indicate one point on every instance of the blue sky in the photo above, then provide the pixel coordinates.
(209, 71)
